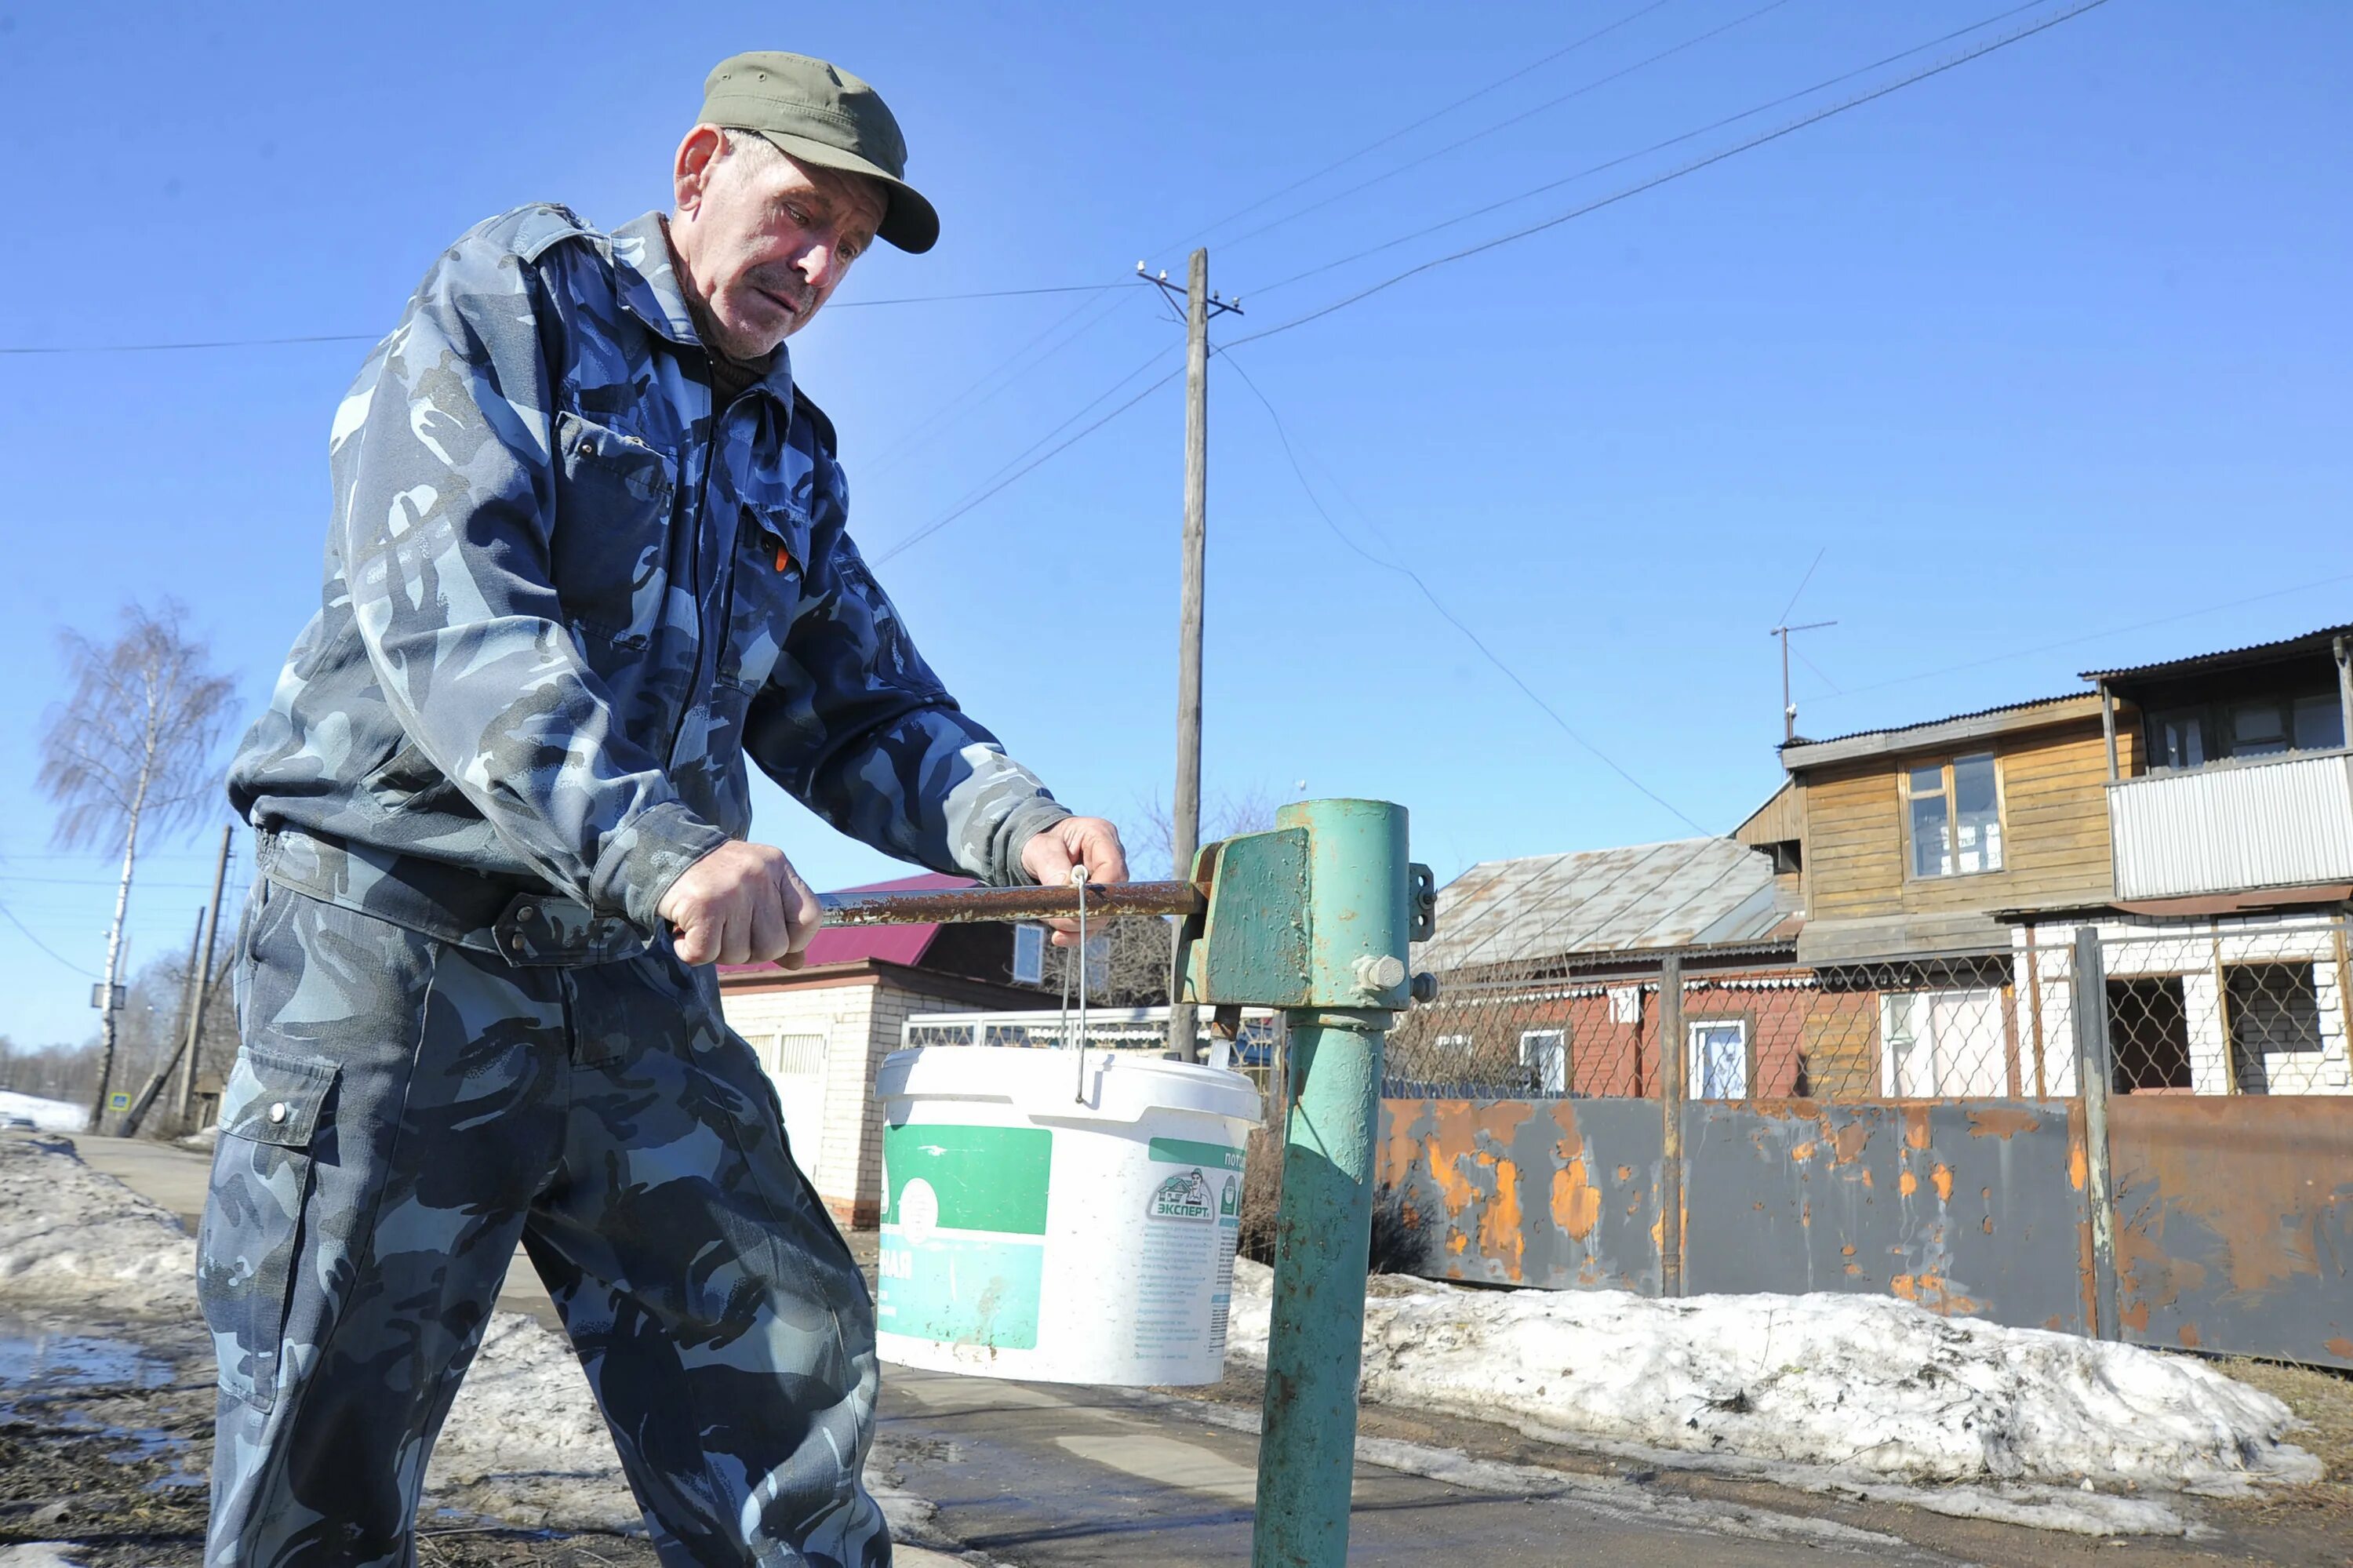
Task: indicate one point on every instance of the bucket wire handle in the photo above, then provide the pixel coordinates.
(1079, 955)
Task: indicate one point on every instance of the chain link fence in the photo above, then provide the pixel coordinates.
(2224, 1011)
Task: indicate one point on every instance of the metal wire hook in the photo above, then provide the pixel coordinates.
(1079, 877)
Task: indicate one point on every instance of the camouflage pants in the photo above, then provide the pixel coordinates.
(402, 1111)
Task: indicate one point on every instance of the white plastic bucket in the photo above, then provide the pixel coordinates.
(1033, 1231)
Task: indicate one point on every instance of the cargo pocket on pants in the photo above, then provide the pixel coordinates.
(253, 1226)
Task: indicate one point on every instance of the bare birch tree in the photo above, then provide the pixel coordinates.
(128, 755)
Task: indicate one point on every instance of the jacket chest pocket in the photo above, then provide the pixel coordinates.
(771, 550)
(608, 554)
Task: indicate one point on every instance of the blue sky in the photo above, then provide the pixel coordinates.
(2051, 348)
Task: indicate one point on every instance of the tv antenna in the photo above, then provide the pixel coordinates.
(1788, 707)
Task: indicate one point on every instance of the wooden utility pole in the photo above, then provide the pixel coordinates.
(1184, 819)
(1185, 825)
(204, 986)
(1673, 1094)
(156, 1080)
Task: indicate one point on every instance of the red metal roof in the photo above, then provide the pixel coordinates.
(855, 943)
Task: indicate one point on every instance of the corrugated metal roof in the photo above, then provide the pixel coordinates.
(2315, 642)
(1688, 893)
(854, 944)
(1806, 740)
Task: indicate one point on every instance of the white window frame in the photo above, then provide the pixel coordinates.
(1547, 1050)
(1695, 1087)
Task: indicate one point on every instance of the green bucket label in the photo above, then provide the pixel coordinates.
(963, 1259)
(1229, 1201)
(967, 1178)
(1184, 1151)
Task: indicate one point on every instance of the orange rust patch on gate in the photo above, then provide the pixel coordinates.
(2242, 1170)
(1499, 1236)
(1907, 1183)
(1849, 1143)
(1934, 1292)
(1576, 1203)
(1803, 1151)
(1916, 1132)
(1943, 1177)
(2001, 1121)
(2341, 1346)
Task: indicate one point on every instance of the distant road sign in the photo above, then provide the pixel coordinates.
(118, 1101)
(97, 996)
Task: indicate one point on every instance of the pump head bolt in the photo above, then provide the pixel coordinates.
(1380, 971)
(1425, 987)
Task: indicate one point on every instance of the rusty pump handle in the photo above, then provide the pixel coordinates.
(965, 905)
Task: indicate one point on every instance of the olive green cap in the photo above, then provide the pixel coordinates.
(823, 115)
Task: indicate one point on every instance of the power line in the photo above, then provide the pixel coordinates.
(976, 294)
(212, 342)
(374, 336)
(1439, 113)
(1747, 113)
(1457, 145)
(965, 403)
(958, 510)
(2094, 636)
(1453, 619)
(60, 957)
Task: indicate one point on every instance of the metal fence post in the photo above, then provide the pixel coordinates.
(1671, 1125)
(2093, 1059)
(1357, 922)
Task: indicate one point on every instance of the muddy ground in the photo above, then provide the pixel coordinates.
(106, 1435)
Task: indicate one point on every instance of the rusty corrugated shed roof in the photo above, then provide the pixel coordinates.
(1685, 893)
(2308, 642)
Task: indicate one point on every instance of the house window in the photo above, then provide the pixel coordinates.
(2148, 1033)
(1952, 810)
(1029, 954)
(2275, 1012)
(1544, 1054)
(2248, 726)
(1717, 1065)
(1942, 1043)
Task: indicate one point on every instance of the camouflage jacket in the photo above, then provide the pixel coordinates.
(566, 596)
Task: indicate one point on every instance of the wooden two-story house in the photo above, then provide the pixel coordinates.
(2199, 813)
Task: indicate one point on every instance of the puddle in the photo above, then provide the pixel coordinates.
(35, 1358)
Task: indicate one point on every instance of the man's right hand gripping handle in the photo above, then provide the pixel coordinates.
(742, 904)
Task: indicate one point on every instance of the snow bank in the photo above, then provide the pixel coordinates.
(49, 1116)
(523, 1442)
(1858, 1387)
(71, 1237)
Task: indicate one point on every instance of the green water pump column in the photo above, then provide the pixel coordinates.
(1316, 917)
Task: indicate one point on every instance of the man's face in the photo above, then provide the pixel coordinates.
(765, 240)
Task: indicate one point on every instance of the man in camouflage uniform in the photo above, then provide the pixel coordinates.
(587, 553)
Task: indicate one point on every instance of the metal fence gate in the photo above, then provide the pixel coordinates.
(2140, 1134)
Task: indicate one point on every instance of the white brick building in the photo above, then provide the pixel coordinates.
(822, 1031)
